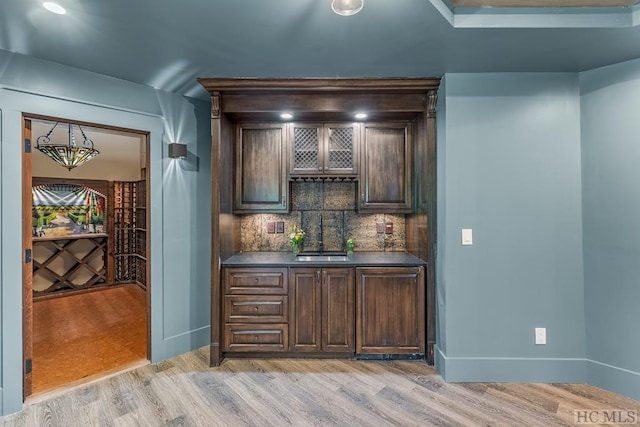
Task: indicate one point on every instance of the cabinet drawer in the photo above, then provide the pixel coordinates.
(256, 308)
(241, 337)
(248, 281)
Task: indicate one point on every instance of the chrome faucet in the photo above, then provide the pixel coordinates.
(320, 244)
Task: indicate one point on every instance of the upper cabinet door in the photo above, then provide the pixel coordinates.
(319, 149)
(385, 178)
(260, 168)
(306, 153)
(341, 149)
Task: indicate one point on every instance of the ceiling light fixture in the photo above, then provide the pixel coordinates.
(347, 7)
(54, 7)
(69, 155)
(361, 116)
(286, 116)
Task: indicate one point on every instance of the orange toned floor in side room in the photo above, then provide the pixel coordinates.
(80, 336)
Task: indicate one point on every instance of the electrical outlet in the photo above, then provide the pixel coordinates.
(380, 227)
(541, 336)
(280, 227)
(271, 227)
(388, 228)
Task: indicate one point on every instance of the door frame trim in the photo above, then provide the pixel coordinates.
(27, 243)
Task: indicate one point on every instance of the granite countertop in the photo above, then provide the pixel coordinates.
(360, 259)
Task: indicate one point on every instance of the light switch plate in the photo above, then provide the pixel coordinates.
(271, 227)
(280, 227)
(467, 236)
(541, 336)
(379, 227)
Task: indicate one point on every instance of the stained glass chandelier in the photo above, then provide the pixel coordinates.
(69, 155)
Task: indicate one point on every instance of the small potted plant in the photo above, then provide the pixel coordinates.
(297, 239)
(350, 245)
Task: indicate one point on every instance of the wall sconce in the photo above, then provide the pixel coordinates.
(177, 151)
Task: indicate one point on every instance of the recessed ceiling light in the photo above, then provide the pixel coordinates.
(347, 7)
(54, 7)
(361, 116)
(286, 116)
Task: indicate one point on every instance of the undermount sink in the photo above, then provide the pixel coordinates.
(325, 257)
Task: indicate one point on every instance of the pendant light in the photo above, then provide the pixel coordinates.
(69, 155)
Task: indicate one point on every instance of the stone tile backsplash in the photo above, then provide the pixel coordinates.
(335, 202)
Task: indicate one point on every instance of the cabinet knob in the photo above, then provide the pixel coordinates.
(255, 338)
(255, 308)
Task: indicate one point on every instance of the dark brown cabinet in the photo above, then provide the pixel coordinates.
(260, 168)
(393, 165)
(322, 310)
(323, 149)
(385, 176)
(390, 310)
(256, 310)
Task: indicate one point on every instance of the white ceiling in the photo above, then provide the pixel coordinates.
(167, 44)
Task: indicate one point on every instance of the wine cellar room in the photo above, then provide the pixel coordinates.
(86, 293)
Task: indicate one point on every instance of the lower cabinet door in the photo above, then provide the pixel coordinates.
(322, 310)
(338, 318)
(390, 310)
(248, 337)
(305, 306)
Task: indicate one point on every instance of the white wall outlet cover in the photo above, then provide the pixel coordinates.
(467, 236)
(541, 336)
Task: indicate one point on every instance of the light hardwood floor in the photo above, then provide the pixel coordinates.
(185, 391)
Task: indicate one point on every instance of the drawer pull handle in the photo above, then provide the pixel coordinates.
(255, 338)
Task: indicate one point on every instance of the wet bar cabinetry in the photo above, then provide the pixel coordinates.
(385, 178)
(319, 149)
(390, 157)
(256, 310)
(390, 310)
(322, 309)
(372, 305)
(260, 172)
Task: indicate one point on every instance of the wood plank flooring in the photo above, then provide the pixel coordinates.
(185, 391)
(79, 336)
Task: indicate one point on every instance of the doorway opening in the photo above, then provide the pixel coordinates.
(86, 296)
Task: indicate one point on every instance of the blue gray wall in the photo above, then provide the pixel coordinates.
(611, 225)
(509, 168)
(179, 190)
